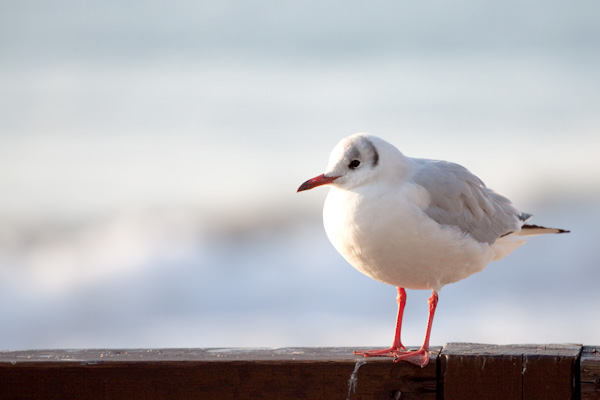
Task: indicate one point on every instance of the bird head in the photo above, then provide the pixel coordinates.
(354, 161)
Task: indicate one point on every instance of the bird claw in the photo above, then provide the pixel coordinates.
(394, 351)
(399, 353)
(419, 357)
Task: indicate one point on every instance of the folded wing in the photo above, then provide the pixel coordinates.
(460, 199)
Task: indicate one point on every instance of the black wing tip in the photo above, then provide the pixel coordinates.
(558, 230)
(524, 216)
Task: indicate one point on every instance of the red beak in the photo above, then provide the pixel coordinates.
(317, 181)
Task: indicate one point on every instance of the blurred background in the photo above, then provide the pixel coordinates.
(150, 154)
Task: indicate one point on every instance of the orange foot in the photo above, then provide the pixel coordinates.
(394, 351)
(419, 357)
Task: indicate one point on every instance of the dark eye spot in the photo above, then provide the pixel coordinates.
(354, 164)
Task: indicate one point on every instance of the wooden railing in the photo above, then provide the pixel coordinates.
(456, 371)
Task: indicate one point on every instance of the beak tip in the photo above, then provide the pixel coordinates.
(309, 184)
(304, 186)
(316, 181)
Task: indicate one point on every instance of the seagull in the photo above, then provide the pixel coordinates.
(414, 223)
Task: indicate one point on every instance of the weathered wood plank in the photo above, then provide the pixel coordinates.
(590, 373)
(480, 371)
(464, 371)
(292, 373)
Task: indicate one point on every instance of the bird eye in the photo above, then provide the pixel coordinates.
(354, 164)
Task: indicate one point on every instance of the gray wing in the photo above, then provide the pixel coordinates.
(459, 198)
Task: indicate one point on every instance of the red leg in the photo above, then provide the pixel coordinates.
(421, 356)
(397, 347)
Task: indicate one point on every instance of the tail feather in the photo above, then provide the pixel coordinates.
(531, 230)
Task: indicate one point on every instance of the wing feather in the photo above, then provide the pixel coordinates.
(460, 199)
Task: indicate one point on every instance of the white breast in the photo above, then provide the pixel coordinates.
(387, 236)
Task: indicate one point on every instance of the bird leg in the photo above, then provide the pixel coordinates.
(397, 347)
(421, 356)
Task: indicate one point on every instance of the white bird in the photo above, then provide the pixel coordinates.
(414, 223)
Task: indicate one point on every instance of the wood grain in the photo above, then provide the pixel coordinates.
(590, 373)
(291, 373)
(458, 371)
(480, 371)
